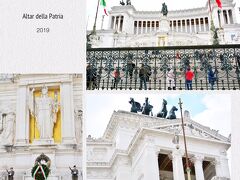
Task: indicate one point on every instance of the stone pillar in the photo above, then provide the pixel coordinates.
(150, 26)
(142, 27)
(200, 25)
(137, 27)
(198, 165)
(155, 26)
(234, 16)
(123, 169)
(204, 24)
(185, 25)
(119, 23)
(151, 171)
(181, 29)
(190, 24)
(177, 25)
(110, 22)
(22, 118)
(146, 26)
(178, 172)
(67, 111)
(114, 22)
(222, 168)
(228, 19)
(216, 163)
(222, 17)
(195, 26)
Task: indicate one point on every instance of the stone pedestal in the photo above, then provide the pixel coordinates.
(49, 178)
(49, 141)
(164, 25)
(221, 36)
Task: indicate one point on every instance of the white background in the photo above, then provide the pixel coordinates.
(23, 50)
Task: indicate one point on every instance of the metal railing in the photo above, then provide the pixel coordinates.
(165, 67)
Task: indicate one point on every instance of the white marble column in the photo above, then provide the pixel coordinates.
(204, 24)
(150, 26)
(67, 111)
(217, 165)
(222, 165)
(178, 172)
(181, 29)
(119, 23)
(177, 25)
(155, 26)
(146, 26)
(228, 19)
(22, 116)
(137, 27)
(199, 25)
(190, 24)
(142, 27)
(222, 17)
(234, 16)
(110, 22)
(186, 28)
(198, 165)
(195, 25)
(114, 22)
(151, 171)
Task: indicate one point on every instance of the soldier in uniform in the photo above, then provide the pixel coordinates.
(74, 172)
(10, 174)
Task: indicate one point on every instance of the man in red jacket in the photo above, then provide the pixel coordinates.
(189, 76)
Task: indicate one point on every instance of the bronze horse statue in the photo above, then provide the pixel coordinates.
(147, 108)
(172, 114)
(136, 106)
(164, 111)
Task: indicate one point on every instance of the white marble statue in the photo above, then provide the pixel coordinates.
(7, 135)
(45, 110)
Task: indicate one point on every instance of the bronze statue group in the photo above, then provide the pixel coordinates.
(146, 109)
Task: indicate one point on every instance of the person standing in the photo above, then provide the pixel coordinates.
(211, 78)
(116, 75)
(10, 174)
(74, 172)
(189, 76)
(143, 77)
(171, 79)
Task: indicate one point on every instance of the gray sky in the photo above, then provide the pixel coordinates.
(149, 5)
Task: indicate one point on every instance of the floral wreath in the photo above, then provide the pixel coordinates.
(41, 168)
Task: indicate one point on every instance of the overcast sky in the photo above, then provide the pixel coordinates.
(149, 5)
(213, 110)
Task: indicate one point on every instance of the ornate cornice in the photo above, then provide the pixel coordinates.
(135, 121)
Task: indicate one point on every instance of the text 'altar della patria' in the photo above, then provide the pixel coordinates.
(42, 16)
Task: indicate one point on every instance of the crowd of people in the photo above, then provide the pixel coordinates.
(144, 72)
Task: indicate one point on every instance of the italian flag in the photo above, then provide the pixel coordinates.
(219, 3)
(103, 3)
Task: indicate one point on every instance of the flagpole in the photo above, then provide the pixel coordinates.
(95, 22)
(185, 143)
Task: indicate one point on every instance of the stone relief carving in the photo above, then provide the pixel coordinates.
(78, 124)
(189, 130)
(8, 128)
